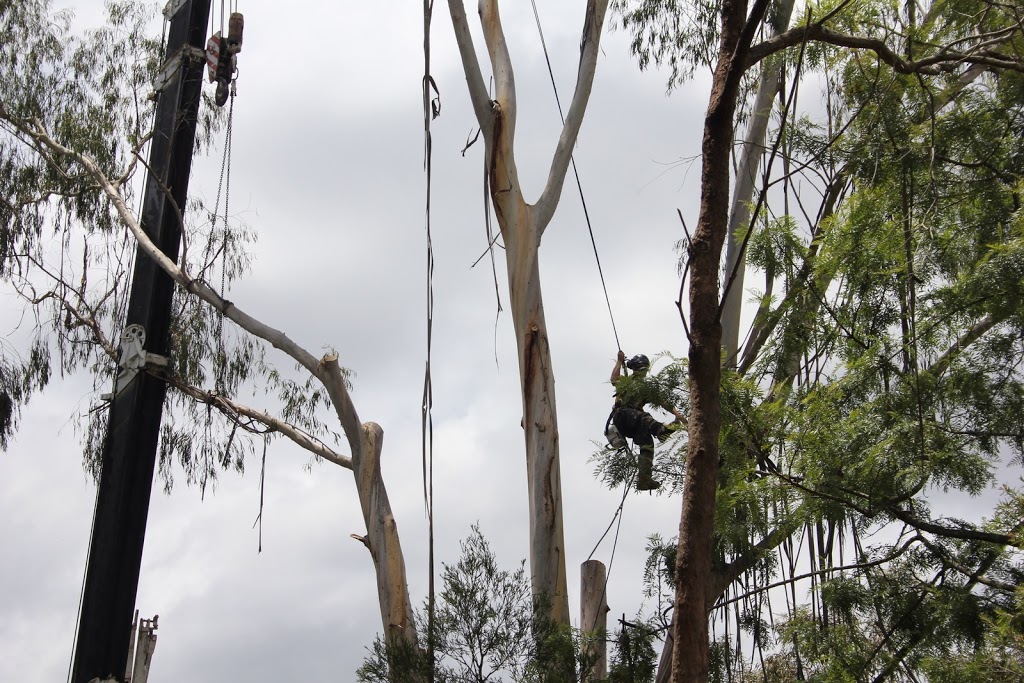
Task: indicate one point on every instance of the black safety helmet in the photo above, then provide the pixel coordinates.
(638, 362)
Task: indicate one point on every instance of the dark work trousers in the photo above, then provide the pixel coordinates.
(639, 426)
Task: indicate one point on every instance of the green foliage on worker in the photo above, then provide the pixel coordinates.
(486, 627)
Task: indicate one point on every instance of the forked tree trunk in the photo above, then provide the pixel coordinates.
(522, 226)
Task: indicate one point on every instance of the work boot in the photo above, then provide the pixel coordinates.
(668, 430)
(646, 483)
(644, 480)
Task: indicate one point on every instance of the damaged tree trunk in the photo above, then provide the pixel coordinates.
(522, 226)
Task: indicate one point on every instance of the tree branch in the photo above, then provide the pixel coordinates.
(326, 370)
(952, 532)
(589, 49)
(973, 575)
(501, 64)
(943, 61)
(819, 572)
(471, 65)
(232, 408)
(972, 335)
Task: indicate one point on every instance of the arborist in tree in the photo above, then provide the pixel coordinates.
(632, 421)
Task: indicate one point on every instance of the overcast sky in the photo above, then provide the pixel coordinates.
(328, 169)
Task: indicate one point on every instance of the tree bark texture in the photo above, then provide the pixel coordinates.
(696, 527)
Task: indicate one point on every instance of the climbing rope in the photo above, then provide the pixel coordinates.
(431, 109)
(575, 172)
(604, 287)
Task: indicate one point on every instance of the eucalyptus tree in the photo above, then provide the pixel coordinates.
(75, 120)
(522, 226)
(76, 116)
(860, 386)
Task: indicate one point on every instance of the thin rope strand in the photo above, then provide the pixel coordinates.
(579, 185)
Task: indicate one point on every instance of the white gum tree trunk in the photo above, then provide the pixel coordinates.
(522, 226)
(743, 196)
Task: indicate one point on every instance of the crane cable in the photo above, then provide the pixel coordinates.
(579, 185)
(225, 185)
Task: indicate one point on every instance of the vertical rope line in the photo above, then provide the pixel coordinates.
(579, 185)
(220, 362)
(430, 110)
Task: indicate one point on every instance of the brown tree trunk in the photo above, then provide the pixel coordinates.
(696, 526)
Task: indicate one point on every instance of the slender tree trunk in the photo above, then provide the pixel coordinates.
(693, 559)
(743, 196)
(540, 422)
(382, 539)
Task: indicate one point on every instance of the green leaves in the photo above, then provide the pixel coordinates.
(486, 627)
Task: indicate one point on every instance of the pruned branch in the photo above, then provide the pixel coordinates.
(232, 408)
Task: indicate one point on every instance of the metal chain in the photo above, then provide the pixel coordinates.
(225, 180)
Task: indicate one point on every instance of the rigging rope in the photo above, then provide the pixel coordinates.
(604, 287)
(575, 172)
(431, 109)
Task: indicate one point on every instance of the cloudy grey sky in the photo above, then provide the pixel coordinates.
(327, 168)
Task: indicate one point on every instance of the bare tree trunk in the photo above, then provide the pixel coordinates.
(522, 226)
(540, 424)
(382, 539)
